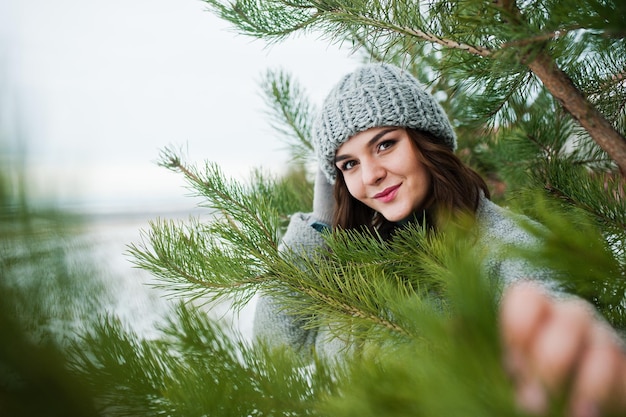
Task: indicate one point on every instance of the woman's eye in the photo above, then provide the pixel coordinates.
(386, 144)
(348, 165)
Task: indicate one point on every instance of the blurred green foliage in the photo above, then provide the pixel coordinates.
(47, 295)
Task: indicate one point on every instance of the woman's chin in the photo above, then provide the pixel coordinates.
(396, 217)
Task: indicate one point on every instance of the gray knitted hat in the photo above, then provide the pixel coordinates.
(376, 95)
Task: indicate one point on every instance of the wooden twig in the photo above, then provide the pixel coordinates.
(571, 98)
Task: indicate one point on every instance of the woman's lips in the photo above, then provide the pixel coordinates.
(388, 194)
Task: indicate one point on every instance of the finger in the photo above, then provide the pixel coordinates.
(522, 310)
(523, 307)
(600, 383)
(559, 343)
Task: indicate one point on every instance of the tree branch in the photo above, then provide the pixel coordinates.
(173, 162)
(539, 38)
(563, 89)
(352, 310)
(448, 43)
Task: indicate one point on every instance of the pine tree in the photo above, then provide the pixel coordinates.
(536, 91)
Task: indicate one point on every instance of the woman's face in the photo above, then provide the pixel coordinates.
(383, 169)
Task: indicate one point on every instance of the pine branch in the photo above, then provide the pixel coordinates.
(573, 101)
(601, 197)
(571, 98)
(511, 39)
(539, 39)
(360, 285)
(351, 310)
(290, 113)
(425, 36)
(224, 200)
(194, 367)
(577, 248)
(192, 261)
(228, 256)
(333, 293)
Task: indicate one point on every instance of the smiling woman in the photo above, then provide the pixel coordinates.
(401, 171)
(388, 148)
(382, 168)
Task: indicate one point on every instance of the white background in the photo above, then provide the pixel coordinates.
(93, 90)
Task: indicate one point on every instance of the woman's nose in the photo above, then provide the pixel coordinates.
(372, 172)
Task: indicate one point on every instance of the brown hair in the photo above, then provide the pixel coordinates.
(455, 189)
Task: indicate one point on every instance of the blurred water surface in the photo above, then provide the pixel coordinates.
(71, 269)
(135, 298)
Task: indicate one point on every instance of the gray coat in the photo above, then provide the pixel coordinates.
(497, 227)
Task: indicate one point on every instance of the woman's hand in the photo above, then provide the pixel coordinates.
(555, 348)
(323, 199)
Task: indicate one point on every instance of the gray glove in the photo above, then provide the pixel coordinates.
(323, 199)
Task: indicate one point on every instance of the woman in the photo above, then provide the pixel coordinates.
(388, 148)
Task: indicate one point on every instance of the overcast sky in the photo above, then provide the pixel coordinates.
(94, 89)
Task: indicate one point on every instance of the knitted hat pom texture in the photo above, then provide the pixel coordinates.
(376, 95)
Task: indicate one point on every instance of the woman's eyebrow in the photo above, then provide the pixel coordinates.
(380, 135)
(369, 142)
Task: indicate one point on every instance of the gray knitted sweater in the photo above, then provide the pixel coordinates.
(497, 228)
